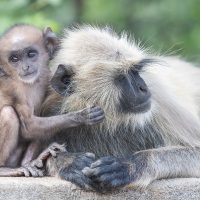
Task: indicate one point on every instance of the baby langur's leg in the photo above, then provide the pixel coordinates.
(9, 134)
(9, 128)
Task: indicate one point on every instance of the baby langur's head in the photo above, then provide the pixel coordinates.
(25, 52)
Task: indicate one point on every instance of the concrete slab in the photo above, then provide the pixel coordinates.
(52, 188)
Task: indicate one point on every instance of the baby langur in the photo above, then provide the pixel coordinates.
(24, 77)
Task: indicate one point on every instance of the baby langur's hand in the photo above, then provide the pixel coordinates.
(92, 115)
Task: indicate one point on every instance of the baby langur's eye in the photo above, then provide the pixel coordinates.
(14, 58)
(32, 53)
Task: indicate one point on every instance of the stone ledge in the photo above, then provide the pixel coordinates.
(52, 188)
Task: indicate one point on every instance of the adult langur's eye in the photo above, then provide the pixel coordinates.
(138, 67)
(14, 58)
(32, 53)
(121, 77)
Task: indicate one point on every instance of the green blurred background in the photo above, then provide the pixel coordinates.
(167, 26)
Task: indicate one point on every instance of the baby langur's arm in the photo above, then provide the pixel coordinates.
(33, 127)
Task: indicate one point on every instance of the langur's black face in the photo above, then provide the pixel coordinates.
(135, 95)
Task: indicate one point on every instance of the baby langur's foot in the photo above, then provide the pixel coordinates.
(92, 115)
(20, 171)
(28, 171)
(52, 150)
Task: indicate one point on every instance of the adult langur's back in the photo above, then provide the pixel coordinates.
(151, 103)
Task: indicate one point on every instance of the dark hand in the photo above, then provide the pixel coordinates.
(74, 163)
(109, 173)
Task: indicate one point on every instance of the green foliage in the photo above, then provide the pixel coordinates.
(168, 26)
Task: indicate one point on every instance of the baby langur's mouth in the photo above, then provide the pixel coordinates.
(29, 77)
(28, 74)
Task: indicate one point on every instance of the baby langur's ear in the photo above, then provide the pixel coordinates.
(51, 41)
(62, 80)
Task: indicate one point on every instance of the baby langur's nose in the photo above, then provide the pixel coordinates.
(25, 67)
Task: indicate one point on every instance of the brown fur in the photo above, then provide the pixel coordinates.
(25, 52)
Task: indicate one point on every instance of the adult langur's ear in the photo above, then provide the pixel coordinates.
(62, 80)
(51, 41)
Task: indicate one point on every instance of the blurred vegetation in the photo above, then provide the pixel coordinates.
(168, 26)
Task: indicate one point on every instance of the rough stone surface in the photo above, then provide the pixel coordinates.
(52, 188)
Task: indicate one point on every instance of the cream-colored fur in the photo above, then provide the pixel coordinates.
(95, 55)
